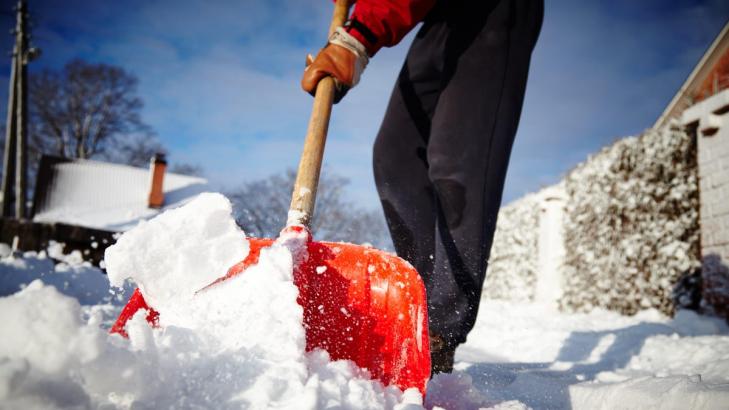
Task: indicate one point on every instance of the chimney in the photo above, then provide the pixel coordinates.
(157, 167)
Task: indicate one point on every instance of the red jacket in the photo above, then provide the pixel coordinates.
(383, 23)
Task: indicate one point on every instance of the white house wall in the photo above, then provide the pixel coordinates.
(712, 119)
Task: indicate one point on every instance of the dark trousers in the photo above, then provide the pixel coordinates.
(441, 154)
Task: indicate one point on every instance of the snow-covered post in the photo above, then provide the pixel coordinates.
(551, 250)
(710, 118)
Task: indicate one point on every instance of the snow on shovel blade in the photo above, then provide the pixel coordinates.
(360, 304)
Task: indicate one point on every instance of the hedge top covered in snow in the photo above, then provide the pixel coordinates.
(631, 228)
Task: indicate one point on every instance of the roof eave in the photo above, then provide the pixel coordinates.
(697, 76)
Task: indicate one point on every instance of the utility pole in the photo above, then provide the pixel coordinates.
(21, 121)
(10, 132)
(15, 165)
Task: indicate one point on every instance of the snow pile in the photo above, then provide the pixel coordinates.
(512, 268)
(178, 253)
(238, 345)
(631, 225)
(68, 273)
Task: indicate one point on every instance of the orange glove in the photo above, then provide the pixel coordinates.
(344, 58)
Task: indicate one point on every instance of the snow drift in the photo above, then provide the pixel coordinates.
(235, 346)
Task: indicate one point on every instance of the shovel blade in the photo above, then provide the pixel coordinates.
(360, 304)
(367, 306)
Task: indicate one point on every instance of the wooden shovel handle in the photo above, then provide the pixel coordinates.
(307, 177)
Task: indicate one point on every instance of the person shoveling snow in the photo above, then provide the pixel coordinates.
(358, 303)
(441, 154)
(365, 305)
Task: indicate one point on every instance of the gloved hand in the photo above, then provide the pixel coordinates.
(344, 58)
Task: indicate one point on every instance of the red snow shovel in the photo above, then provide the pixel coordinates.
(360, 303)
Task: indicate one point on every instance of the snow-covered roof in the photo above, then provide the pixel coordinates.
(103, 195)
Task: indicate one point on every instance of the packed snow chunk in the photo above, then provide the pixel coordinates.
(68, 273)
(42, 326)
(254, 310)
(675, 392)
(341, 384)
(55, 251)
(454, 392)
(179, 252)
(707, 356)
(5, 250)
(526, 355)
(44, 343)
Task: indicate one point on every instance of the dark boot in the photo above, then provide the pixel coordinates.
(441, 356)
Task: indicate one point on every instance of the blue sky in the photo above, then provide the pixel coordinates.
(220, 79)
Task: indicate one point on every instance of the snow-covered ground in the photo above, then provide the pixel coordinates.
(68, 273)
(598, 360)
(247, 350)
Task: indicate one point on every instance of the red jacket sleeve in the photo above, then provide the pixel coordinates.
(383, 23)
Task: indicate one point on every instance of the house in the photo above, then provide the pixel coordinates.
(106, 196)
(702, 106)
(85, 203)
(709, 77)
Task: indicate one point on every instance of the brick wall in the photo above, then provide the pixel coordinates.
(710, 118)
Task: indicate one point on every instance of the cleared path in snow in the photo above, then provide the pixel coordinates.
(521, 356)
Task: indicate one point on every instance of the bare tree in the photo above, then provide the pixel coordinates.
(89, 111)
(134, 150)
(185, 168)
(2, 146)
(261, 209)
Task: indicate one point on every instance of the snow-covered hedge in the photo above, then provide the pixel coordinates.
(631, 224)
(512, 269)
